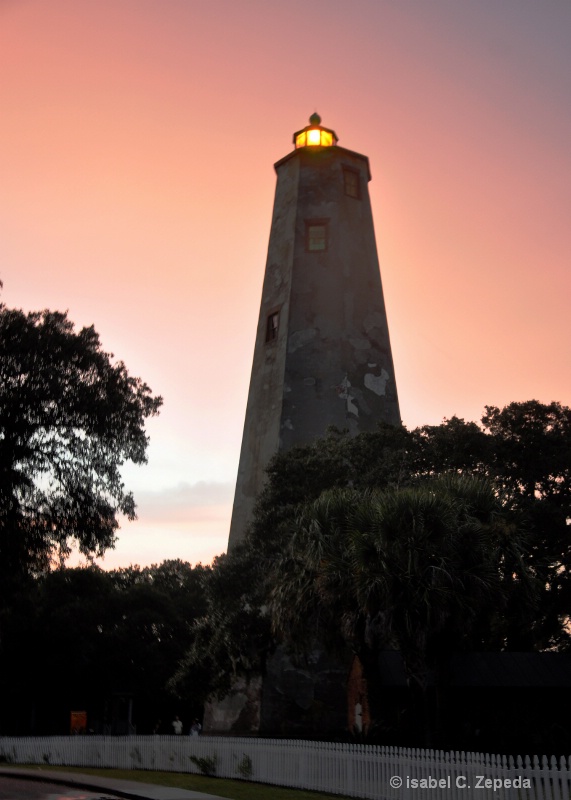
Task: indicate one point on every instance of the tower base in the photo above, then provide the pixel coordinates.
(298, 697)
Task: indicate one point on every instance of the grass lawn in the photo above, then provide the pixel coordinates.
(236, 790)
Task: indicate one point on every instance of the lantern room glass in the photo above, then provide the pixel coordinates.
(314, 137)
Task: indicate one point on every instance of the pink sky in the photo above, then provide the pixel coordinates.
(137, 142)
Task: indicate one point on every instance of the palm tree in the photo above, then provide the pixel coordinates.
(417, 569)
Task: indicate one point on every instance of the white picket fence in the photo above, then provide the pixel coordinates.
(379, 773)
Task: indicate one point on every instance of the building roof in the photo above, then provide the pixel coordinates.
(491, 669)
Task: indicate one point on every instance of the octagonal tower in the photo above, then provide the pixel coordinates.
(322, 355)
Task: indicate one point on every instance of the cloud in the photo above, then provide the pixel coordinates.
(186, 521)
(203, 500)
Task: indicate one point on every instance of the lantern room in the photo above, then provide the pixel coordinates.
(314, 135)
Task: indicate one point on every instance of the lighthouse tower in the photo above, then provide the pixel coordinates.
(322, 355)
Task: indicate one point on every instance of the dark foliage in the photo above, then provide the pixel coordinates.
(524, 451)
(233, 635)
(69, 418)
(85, 639)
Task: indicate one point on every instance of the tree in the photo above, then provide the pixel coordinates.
(69, 419)
(376, 459)
(453, 446)
(232, 638)
(532, 461)
(85, 638)
(522, 439)
(524, 450)
(420, 569)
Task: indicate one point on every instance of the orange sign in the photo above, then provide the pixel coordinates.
(78, 722)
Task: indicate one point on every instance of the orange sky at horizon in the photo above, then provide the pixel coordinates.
(137, 142)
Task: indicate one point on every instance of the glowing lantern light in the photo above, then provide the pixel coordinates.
(314, 135)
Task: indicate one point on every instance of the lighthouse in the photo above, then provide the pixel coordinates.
(322, 355)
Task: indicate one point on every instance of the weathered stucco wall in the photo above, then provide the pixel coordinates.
(264, 409)
(339, 368)
(331, 362)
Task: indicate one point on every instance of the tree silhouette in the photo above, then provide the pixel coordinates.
(69, 419)
(422, 569)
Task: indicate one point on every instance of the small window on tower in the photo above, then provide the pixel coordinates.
(272, 326)
(316, 236)
(351, 183)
